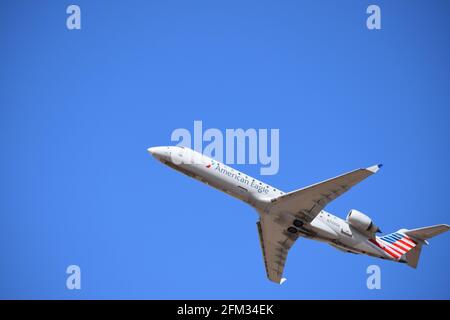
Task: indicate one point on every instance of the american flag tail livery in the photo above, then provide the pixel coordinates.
(405, 245)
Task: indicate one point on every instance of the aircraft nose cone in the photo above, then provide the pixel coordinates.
(158, 152)
(152, 150)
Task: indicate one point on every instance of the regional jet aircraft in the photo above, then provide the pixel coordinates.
(284, 217)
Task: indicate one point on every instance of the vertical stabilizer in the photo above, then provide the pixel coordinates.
(412, 257)
(420, 236)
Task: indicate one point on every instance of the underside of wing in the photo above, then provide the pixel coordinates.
(307, 202)
(304, 204)
(275, 245)
(428, 232)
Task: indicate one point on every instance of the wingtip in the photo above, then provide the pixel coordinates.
(375, 168)
(283, 280)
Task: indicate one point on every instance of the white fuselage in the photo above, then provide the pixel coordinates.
(325, 227)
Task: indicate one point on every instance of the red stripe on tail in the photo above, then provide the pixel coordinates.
(389, 251)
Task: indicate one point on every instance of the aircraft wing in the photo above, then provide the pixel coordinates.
(306, 203)
(303, 204)
(275, 244)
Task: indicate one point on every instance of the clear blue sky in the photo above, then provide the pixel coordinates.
(78, 109)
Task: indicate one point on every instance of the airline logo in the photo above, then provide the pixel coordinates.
(395, 244)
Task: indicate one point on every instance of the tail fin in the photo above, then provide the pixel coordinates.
(409, 243)
(412, 257)
(400, 246)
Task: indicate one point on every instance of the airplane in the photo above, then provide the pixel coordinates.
(284, 217)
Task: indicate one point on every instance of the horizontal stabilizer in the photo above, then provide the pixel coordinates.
(427, 232)
(421, 235)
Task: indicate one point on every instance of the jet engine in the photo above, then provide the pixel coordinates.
(361, 222)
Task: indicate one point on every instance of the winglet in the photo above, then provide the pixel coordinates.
(374, 168)
(283, 280)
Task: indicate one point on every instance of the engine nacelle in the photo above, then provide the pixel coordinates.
(361, 222)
